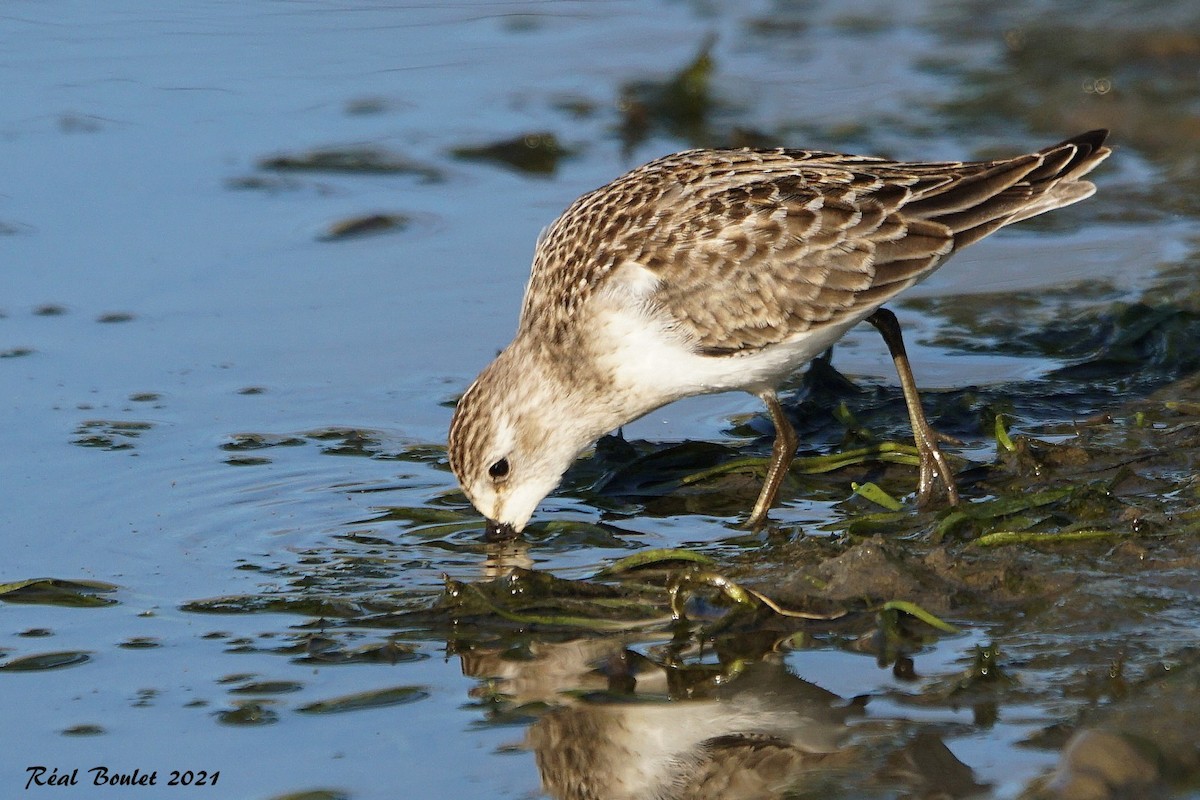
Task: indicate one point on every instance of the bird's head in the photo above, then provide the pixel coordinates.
(514, 433)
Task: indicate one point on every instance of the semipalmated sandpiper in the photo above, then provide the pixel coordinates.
(712, 270)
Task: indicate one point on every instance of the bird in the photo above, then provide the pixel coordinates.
(712, 270)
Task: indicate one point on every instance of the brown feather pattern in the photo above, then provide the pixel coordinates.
(751, 247)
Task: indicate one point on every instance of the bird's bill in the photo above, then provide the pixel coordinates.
(498, 531)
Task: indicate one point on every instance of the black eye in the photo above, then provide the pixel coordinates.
(499, 469)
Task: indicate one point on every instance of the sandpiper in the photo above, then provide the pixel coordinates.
(712, 270)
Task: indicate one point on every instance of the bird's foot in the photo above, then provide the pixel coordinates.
(934, 467)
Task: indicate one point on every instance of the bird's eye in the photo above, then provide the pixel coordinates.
(499, 470)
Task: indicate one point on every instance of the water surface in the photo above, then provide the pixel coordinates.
(210, 394)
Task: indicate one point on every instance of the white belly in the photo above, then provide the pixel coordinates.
(657, 366)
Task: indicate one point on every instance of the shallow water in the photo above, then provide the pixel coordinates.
(208, 395)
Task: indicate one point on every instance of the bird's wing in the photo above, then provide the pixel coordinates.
(757, 264)
(742, 249)
(748, 266)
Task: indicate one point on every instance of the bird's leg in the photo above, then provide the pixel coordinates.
(782, 453)
(933, 463)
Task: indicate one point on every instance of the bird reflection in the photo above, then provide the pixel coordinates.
(631, 728)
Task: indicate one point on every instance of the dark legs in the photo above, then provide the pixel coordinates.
(782, 453)
(933, 463)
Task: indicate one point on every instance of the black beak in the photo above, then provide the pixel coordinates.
(498, 531)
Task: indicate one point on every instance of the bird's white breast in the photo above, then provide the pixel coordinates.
(649, 358)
